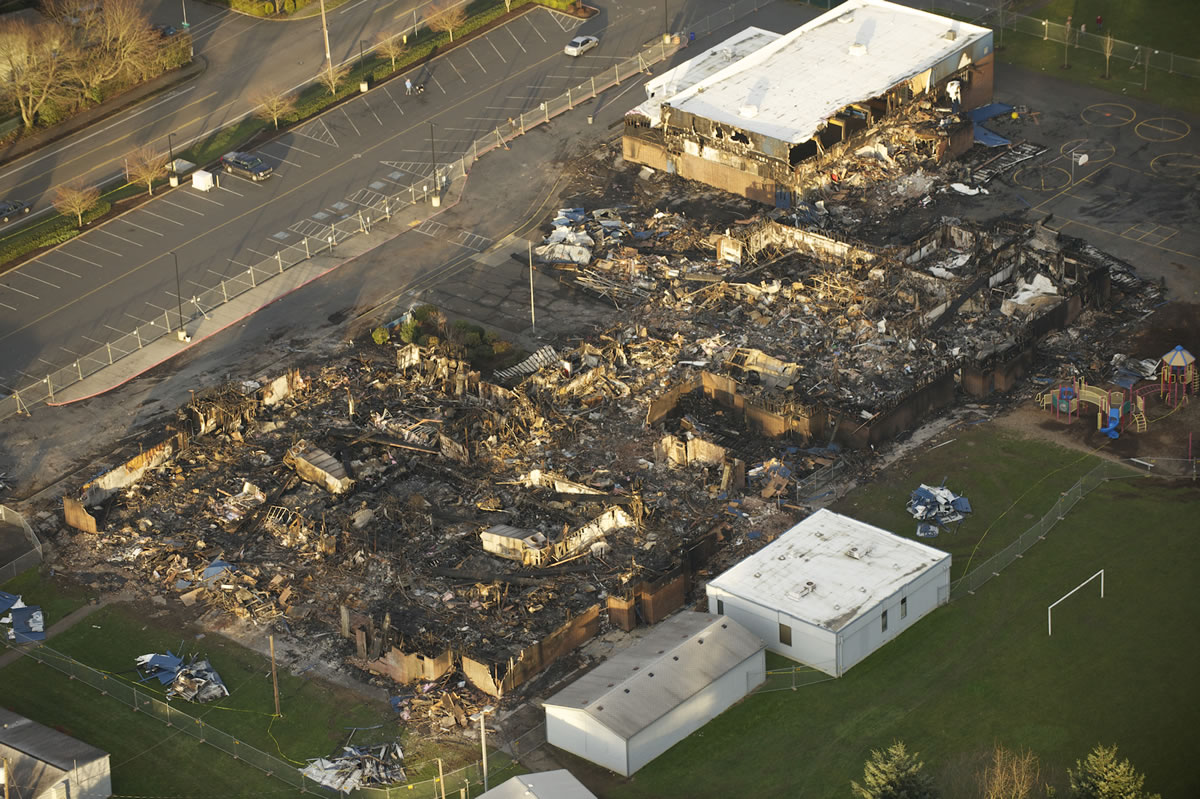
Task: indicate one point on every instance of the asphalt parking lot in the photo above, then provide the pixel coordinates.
(120, 276)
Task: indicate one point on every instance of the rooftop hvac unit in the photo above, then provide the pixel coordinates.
(950, 36)
(854, 552)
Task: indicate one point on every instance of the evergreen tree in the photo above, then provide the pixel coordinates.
(1102, 776)
(894, 774)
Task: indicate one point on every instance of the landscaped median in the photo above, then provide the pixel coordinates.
(389, 56)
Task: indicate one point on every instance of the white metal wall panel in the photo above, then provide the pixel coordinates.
(580, 734)
(697, 711)
(811, 645)
(864, 635)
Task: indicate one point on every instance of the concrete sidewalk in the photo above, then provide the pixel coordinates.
(63, 624)
(213, 321)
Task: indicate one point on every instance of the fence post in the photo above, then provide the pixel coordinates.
(79, 369)
(166, 322)
(569, 106)
(593, 86)
(307, 254)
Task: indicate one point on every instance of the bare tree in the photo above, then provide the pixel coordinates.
(75, 199)
(392, 47)
(273, 105)
(35, 60)
(1011, 775)
(144, 165)
(332, 78)
(115, 39)
(1109, 46)
(444, 16)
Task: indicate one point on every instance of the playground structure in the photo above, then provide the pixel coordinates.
(1178, 377)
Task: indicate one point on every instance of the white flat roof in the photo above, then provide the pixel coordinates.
(676, 659)
(705, 65)
(558, 784)
(856, 51)
(852, 566)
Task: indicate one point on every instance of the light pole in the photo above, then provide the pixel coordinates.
(171, 151)
(328, 57)
(183, 5)
(360, 59)
(179, 297)
(666, 22)
(437, 183)
(483, 741)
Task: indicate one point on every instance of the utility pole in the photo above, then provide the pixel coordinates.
(325, 31)
(666, 22)
(532, 315)
(4, 775)
(274, 676)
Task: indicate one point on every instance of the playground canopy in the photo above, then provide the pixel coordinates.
(1178, 358)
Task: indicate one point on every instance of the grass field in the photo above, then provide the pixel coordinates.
(985, 465)
(982, 670)
(56, 597)
(1164, 24)
(151, 759)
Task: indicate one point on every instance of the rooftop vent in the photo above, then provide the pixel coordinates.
(950, 36)
(854, 552)
(748, 111)
(846, 19)
(858, 49)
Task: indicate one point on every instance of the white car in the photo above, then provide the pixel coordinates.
(580, 45)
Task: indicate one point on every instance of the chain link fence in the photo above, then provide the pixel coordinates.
(790, 679)
(970, 582)
(33, 557)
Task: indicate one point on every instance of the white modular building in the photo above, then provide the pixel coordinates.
(557, 784)
(43, 763)
(642, 701)
(832, 590)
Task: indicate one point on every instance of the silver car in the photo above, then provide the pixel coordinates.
(580, 45)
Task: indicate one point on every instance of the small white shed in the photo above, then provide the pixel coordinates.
(45, 764)
(832, 590)
(639, 703)
(557, 784)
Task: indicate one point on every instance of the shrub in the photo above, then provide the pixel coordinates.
(53, 231)
(408, 331)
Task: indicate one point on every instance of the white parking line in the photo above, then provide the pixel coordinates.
(122, 238)
(515, 39)
(9, 307)
(439, 85)
(23, 273)
(69, 352)
(451, 63)
(26, 293)
(183, 207)
(209, 199)
(79, 258)
(289, 163)
(256, 252)
(393, 99)
(297, 149)
(140, 227)
(468, 49)
(351, 121)
(58, 268)
(98, 247)
(535, 30)
(231, 191)
(160, 216)
(489, 41)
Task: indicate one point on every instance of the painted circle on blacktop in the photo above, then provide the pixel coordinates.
(1042, 178)
(1177, 165)
(1108, 115)
(1162, 129)
(1096, 150)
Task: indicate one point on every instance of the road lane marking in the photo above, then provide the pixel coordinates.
(159, 216)
(125, 219)
(352, 6)
(122, 238)
(182, 207)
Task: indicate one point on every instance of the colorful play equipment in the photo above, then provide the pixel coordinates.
(1178, 377)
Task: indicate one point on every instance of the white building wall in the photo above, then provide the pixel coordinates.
(697, 711)
(92, 781)
(866, 634)
(811, 645)
(580, 734)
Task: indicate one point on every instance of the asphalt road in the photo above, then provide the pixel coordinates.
(121, 276)
(243, 55)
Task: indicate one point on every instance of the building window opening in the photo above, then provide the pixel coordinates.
(720, 607)
(884, 621)
(785, 635)
(904, 607)
(739, 137)
(802, 152)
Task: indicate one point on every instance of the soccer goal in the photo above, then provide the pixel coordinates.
(1050, 608)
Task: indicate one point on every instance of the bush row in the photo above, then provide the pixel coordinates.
(54, 230)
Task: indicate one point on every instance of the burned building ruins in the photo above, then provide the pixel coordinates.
(762, 114)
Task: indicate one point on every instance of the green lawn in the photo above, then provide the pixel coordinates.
(986, 466)
(1164, 24)
(57, 597)
(982, 670)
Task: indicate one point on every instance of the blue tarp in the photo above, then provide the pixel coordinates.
(214, 570)
(985, 112)
(7, 601)
(989, 138)
(164, 668)
(28, 624)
